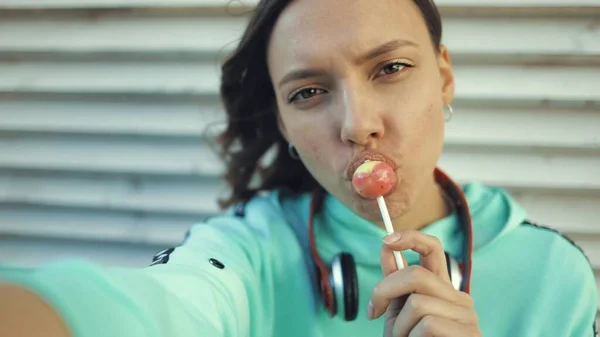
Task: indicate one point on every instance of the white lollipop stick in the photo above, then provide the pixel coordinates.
(390, 229)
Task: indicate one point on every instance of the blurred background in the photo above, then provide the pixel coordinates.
(103, 105)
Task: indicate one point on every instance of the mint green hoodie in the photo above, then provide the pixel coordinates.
(526, 280)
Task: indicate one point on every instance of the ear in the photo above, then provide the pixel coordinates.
(446, 74)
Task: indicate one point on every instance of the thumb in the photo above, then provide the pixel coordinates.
(388, 261)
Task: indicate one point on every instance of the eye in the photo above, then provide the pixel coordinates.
(393, 67)
(305, 94)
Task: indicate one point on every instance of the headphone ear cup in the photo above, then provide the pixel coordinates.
(455, 274)
(344, 280)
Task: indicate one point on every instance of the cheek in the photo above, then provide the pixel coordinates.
(433, 133)
(433, 116)
(425, 121)
(312, 145)
(311, 133)
(306, 139)
(316, 143)
(430, 123)
(424, 134)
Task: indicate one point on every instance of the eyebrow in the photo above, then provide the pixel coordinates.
(371, 54)
(302, 74)
(383, 49)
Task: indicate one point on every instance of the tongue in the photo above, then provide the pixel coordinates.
(373, 179)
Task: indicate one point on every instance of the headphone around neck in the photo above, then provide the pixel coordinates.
(338, 282)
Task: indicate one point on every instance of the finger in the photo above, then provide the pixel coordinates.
(414, 279)
(418, 306)
(388, 266)
(430, 249)
(388, 261)
(443, 327)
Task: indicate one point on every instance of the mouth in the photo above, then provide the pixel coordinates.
(370, 155)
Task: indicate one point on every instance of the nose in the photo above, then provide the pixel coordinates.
(362, 117)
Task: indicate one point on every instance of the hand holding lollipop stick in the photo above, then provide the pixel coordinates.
(373, 180)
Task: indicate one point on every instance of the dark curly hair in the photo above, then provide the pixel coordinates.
(249, 101)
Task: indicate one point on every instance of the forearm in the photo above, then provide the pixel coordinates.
(24, 314)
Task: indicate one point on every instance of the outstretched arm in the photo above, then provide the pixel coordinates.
(185, 295)
(25, 314)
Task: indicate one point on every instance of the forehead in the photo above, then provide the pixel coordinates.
(310, 31)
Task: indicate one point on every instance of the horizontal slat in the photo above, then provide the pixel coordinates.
(190, 35)
(171, 195)
(519, 36)
(177, 35)
(470, 125)
(115, 3)
(523, 169)
(570, 214)
(95, 225)
(119, 78)
(116, 155)
(516, 3)
(524, 127)
(528, 83)
(33, 252)
(503, 83)
(218, 3)
(133, 117)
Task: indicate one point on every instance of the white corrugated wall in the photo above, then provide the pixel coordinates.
(103, 104)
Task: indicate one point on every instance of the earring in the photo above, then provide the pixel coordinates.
(292, 151)
(450, 114)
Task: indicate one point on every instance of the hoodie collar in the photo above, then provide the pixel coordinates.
(338, 228)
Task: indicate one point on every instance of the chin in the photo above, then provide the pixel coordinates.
(398, 204)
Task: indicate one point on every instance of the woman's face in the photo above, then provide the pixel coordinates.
(353, 77)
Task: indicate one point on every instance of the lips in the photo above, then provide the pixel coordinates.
(364, 156)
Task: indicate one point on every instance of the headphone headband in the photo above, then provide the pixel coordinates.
(316, 203)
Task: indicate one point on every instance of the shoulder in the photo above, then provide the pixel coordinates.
(248, 228)
(552, 242)
(262, 218)
(257, 216)
(252, 227)
(565, 264)
(566, 272)
(550, 254)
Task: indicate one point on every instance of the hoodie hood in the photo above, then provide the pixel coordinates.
(493, 212)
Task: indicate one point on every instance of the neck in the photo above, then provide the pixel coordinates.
(428, 208)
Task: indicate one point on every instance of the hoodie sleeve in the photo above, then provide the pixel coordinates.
(574, 289)
(217, 283)
(583, 293)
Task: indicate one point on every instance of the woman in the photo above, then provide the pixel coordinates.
(330, 84)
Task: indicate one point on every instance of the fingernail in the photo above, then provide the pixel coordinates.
(392, 238)
(370, 311)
